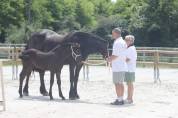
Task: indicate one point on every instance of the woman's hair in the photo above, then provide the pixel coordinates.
(130, 37)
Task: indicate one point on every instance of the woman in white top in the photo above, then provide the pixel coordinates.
(131, 56)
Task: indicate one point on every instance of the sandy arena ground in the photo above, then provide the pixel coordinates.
(150, 100)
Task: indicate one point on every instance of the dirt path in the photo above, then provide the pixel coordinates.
(151, 100)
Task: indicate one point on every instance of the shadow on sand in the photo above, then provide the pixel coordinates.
(46, 99)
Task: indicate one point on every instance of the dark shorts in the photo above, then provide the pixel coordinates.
(129, 77)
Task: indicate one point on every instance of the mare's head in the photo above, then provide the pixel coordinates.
(36, 41)
(89, 43)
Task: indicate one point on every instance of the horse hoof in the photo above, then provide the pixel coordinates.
(45, 94)
(51, 98)
(77, 97)
(63, 98)
(25, 94)
(72, 98)
(21, 96)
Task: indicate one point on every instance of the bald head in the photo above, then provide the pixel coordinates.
(116, 33)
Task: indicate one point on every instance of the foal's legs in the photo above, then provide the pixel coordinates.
(58, 74)
(25, 89)
(24, 72)
(51, 84)
(43, 90)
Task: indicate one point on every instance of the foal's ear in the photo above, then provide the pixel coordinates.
(76, 45)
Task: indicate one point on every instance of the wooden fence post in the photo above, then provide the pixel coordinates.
(2, 102)
(84, 74)
(156, 67)
(13, 62)
(14, 56)
(16, 63)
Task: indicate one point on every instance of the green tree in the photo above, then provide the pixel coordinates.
(163, 15)
(11, 13)
(85, 13)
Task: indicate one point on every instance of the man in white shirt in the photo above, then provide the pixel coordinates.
(119, 66)
(131, 56)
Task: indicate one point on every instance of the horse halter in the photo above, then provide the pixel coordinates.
(74, 54)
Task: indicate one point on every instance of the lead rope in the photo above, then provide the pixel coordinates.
(91, 64)
(107, 64)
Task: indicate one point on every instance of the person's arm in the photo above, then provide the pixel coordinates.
(115, 52)
(127, 59)
(112, 58)
(131, 55)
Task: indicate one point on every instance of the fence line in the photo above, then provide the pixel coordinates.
(155, 56)
(155, 61)
(11, 52)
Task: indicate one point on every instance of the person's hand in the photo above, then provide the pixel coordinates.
(127, 59)
(109, 59)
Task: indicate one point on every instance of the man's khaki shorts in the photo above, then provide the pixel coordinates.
(118, 77)
(129, 77)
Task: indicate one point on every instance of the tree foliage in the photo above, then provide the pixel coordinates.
(153, 22)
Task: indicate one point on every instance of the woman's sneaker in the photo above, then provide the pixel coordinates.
(128, 101)
(117, 102)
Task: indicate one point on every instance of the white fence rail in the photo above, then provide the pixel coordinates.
(154, 56)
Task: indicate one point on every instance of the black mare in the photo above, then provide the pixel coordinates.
(89, 44)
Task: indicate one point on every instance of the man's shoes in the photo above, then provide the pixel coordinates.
(128, 101)
(117, 102)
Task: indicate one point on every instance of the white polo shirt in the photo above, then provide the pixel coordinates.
(131, 53)
(119, 48)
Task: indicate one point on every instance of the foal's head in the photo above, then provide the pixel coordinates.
(68, 49)
(28, 54)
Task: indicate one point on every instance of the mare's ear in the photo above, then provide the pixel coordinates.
(23, 52)
(75, 44)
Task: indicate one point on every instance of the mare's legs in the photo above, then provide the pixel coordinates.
(51, 84)
(77, 72)
(43, 90)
